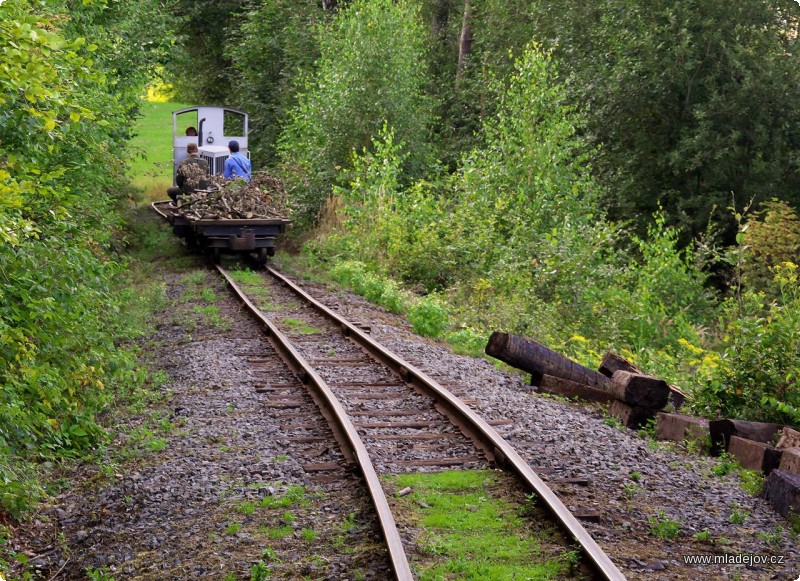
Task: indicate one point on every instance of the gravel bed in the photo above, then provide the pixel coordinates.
(169, 499)
(631, 480)
(181, 491)
(389, 456)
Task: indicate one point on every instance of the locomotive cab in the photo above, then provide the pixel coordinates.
(211, 128)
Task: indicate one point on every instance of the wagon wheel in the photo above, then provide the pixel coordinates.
(262, 256)
(215, 255)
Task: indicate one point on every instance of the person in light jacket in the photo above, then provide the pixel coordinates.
(237, 165)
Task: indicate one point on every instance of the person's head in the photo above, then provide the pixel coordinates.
(191, 148)
(191, 131)
(233, 146)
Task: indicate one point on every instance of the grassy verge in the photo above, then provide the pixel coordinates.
(428, 315)
(151, 168)
(473, 529)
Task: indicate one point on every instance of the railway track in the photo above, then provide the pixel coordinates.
(387, 415)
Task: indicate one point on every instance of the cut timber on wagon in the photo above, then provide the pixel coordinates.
(538, 360)
(722, 430)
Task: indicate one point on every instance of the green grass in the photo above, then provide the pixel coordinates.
(213, 317)
(233, 528)
(247, 277)
(473, 533)
(663, 527)
(299, 327)
(277, 532)
(294, 496)
(253, 284)
(151, 167)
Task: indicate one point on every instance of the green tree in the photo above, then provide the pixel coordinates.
(198, 68)
(276, 41)
(371, 71)
(690, 101)
(66, 106)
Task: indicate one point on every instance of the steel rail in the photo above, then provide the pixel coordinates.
(353, 448)
(476, 428)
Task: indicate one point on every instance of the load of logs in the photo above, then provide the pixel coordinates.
(263, 197)
(635, 398)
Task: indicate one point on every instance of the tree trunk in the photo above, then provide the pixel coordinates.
(465, 41)
(441, 15)
(538, 360)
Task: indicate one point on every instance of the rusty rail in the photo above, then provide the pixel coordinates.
(345, 433)
(483, 434)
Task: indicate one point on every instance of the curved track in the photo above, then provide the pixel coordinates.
(496, 449)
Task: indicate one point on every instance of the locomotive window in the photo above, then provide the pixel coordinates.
(185, 121)
(233, 124)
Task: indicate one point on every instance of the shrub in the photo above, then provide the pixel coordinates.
(756, 374)
(371, 70)
(772, 237)
(429, 317)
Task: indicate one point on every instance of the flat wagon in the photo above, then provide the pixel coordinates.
(225, 236)
(209, 128)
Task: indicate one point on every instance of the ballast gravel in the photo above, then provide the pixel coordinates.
(202, 483)
(640, 489)
(173, 497)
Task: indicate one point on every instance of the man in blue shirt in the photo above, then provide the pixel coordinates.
(237, 165)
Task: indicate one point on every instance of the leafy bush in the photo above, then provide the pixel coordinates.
(770, 238)
(371, 70)
(515, 239)
(64, 117)
(429, 317)
(759, 361)
(379, 289)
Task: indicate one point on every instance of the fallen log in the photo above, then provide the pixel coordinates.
(782, 490)
(538, 360)
(722, 430)
(637, 389)
(613, 362)
(570, 389)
